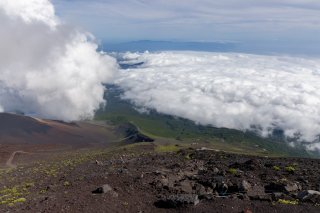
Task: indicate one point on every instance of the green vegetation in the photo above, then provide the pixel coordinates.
(187, 157)
(13, 195)
(66, 183)
(157, 125)
(43, 191)
(276, 168)
(166, 148)
(233, 171)
(5, 172)
(14, 192)
(288, 202)
(289, 169)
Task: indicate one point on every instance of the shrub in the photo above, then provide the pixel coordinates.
(289, 169)
(66, 183)
(187, 157)
(288, 202)
(233, 171)
(276, 168)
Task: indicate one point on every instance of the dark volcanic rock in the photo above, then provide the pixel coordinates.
(264, 197)
(176, 201)
(309, 196)
(282, 187)
(105, 189)
(277, 195)
(249, 165)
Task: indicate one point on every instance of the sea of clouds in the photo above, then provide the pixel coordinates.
(47, 68)
(240, 91)
(53, 70)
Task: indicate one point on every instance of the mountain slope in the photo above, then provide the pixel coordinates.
(155, 124)
(28, 134)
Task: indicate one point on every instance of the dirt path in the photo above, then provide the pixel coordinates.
(10, 163)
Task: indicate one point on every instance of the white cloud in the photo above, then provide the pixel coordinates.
(229, 90)
(47, 68)
(31, 10)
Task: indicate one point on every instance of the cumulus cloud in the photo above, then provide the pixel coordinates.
(240, 91)
(48, 68)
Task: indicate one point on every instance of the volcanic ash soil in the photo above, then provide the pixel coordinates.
(189, 180)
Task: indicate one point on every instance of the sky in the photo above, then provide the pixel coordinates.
(286, 23)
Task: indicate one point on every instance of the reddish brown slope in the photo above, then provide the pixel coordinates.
(23, 133)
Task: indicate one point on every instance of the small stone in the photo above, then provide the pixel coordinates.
(204, 193)
(101, 190)
(215, 170)
(245, 186)
(186, 187)
(277, 195)
(114, 194)
(164, 182)
(122, 171)
(291, 187)
(190, 174)
(157, 172)
(247, 211)
(201, 190)
(99, 163)
(106, 188)
(223, 189)
(256, 190)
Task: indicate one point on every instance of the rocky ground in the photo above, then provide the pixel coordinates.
(160, 178)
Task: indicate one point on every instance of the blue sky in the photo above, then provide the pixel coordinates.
(288, 23)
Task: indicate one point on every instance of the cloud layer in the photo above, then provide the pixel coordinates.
(238, 91)
(47, 68)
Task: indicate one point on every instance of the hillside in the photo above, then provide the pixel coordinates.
(41, 137)
(158, 125)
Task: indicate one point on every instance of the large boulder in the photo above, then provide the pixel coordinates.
(309, 196)
(285, 187)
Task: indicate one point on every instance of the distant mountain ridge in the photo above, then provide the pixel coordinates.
(252, 47)
(143, 45)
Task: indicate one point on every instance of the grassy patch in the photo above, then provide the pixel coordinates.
(233, 171)
(166, 148)
(187, 157)
(66, 183)
(13, 195)
(276, 168)
(288, 202)
(290, 169)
